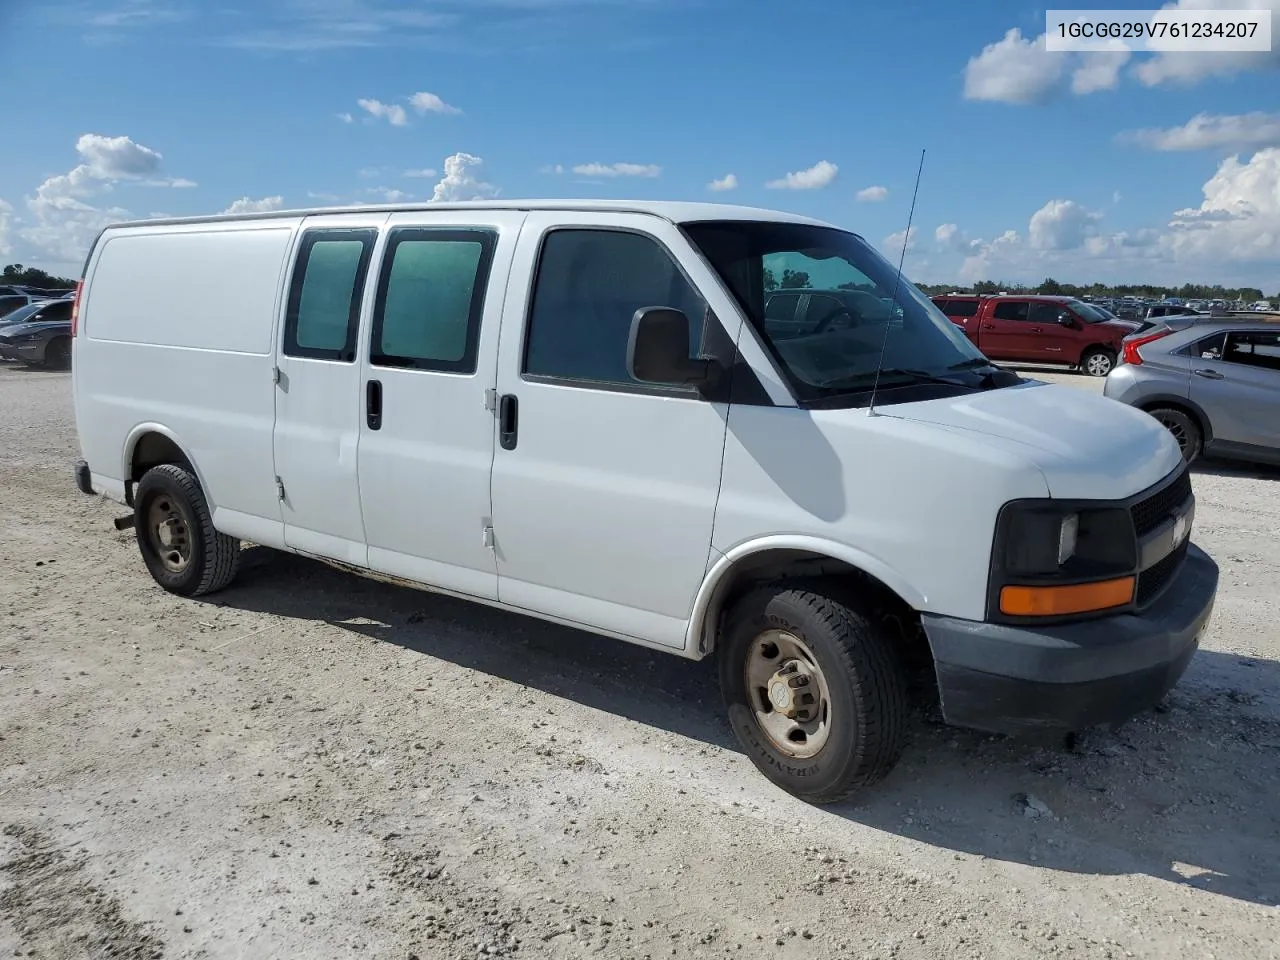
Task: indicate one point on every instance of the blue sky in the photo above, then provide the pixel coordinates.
(1159, 167)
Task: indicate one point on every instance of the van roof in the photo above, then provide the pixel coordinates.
(676, 211)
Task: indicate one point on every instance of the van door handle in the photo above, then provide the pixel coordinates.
(508, 421)
(1209, 374)
(373, 404)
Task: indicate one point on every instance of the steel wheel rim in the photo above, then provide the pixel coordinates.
(1099, 365)
(168, 533)
(788, 692)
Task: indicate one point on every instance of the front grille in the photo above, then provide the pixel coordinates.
(1154, 510)
(1153, 580)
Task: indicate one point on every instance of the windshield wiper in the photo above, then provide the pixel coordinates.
(867, 380)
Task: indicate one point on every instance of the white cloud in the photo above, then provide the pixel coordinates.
(1117, 196)
(391, 194)
(1232, 237)
(425, 173)
(727, 182)
(946, 233)
(62, 221)
(323, 197)
(249, 205)
(820, 175)
(1206, 131)
(872, 194)
(1239, 218)
(393, 113)
(1061, 225)
(425, 102)
(1097, 71)
(617, 170)
(894, 242)
(556, 168)
(460, 182)
(1186, 67)
(1020, 70)
(346, 117)
(1013, 70)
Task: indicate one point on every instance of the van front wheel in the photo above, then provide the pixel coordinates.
(176, 536)
(814, 692)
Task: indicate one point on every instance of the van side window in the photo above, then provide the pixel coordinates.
(590, 283)
(430, 299)
(323, 315)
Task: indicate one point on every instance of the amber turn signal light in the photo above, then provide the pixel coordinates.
(1058, 601)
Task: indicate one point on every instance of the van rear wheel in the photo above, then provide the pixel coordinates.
(814, 691)
(176, 536)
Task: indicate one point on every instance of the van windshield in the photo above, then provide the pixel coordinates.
(823, 300)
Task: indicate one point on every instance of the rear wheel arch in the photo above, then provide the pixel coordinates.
(150, 445)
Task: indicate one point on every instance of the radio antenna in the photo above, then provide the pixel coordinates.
(897, 282)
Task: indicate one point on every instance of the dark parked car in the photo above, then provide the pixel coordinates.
(43, 338)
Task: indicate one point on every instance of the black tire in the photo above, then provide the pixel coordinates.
(864, 678)
(1097, 362)
(57, 354)
(212, 558)
(1185, 429)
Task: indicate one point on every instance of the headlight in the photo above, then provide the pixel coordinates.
(1056, 558)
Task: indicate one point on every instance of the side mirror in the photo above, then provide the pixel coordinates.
(658, 350)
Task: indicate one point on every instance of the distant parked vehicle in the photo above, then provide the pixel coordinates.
(15, 301)
(1039, 329)
(1261, 306)
(42, 339)
(1213, 382)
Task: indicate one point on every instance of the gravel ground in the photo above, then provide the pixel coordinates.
(313, 765)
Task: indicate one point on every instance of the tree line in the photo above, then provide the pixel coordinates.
(16, 273)
(1051, 287)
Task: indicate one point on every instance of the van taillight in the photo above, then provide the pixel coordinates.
(75, 308)
(1130, 353)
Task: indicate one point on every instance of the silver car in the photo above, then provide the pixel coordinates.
(1213, 382)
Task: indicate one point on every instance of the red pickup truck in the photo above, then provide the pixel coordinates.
(1037, 329)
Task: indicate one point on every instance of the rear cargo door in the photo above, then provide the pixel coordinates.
(319, 390)
(428, 372)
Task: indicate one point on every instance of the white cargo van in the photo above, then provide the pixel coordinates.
(705, 429)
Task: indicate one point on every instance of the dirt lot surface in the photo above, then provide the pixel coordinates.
(310, 765)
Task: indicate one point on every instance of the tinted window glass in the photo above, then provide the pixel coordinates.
(590, 284)
(826, 310)
(324, 298)
(1011, 310)
(1041, 312)
(9, 304)
(781, 306)
(1254, 349)
(430, 299)
(961, 308)
(53, 312)
(895, 328)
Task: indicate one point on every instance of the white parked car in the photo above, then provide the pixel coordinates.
(1262, 306)
(582, 411)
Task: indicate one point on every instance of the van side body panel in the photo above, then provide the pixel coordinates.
(176, 330)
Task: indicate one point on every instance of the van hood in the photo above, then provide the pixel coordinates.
(1087, 446)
